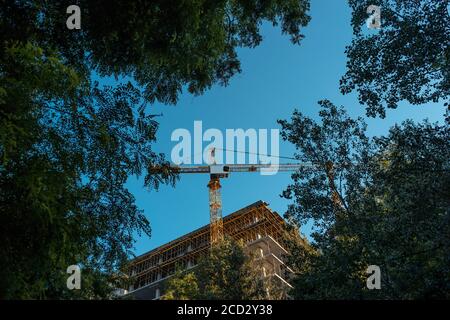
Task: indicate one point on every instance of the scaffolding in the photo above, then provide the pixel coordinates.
(248, 224)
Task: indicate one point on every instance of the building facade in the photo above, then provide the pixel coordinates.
(257, 225)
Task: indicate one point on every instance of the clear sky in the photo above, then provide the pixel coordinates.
(276, 77)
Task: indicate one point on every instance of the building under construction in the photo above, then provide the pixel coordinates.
(260, 228)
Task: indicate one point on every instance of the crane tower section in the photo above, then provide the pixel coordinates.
(215, 209)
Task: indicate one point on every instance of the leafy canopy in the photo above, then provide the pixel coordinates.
(407, 59)
(385, 203)
(164, 45)
(227, 272)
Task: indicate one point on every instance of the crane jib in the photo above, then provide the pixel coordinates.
(218, 171)
(226, 168)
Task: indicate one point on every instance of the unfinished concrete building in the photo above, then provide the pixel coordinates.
(257, 225)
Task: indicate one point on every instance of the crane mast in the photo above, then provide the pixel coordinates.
(215, 209)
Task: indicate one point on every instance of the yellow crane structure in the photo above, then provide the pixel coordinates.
(216, 172)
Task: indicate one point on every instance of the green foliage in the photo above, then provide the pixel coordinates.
(406, 60)
(226, 273)
(66, 152)
(182, 286)
(392, 208)
(165, 45)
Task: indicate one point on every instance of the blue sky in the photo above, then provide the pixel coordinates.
(276, 78)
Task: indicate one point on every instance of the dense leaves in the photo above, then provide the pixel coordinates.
(227, 273)
(407, 59)
(386, 203)
(164, 45)
(65, 157)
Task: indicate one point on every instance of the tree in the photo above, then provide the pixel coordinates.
(226, 273)
(163, 45)
(65, 157)
(383, 202)
(407, 59)
(68, 144)
(182, 286)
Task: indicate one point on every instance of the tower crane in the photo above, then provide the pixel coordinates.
(218, 171)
